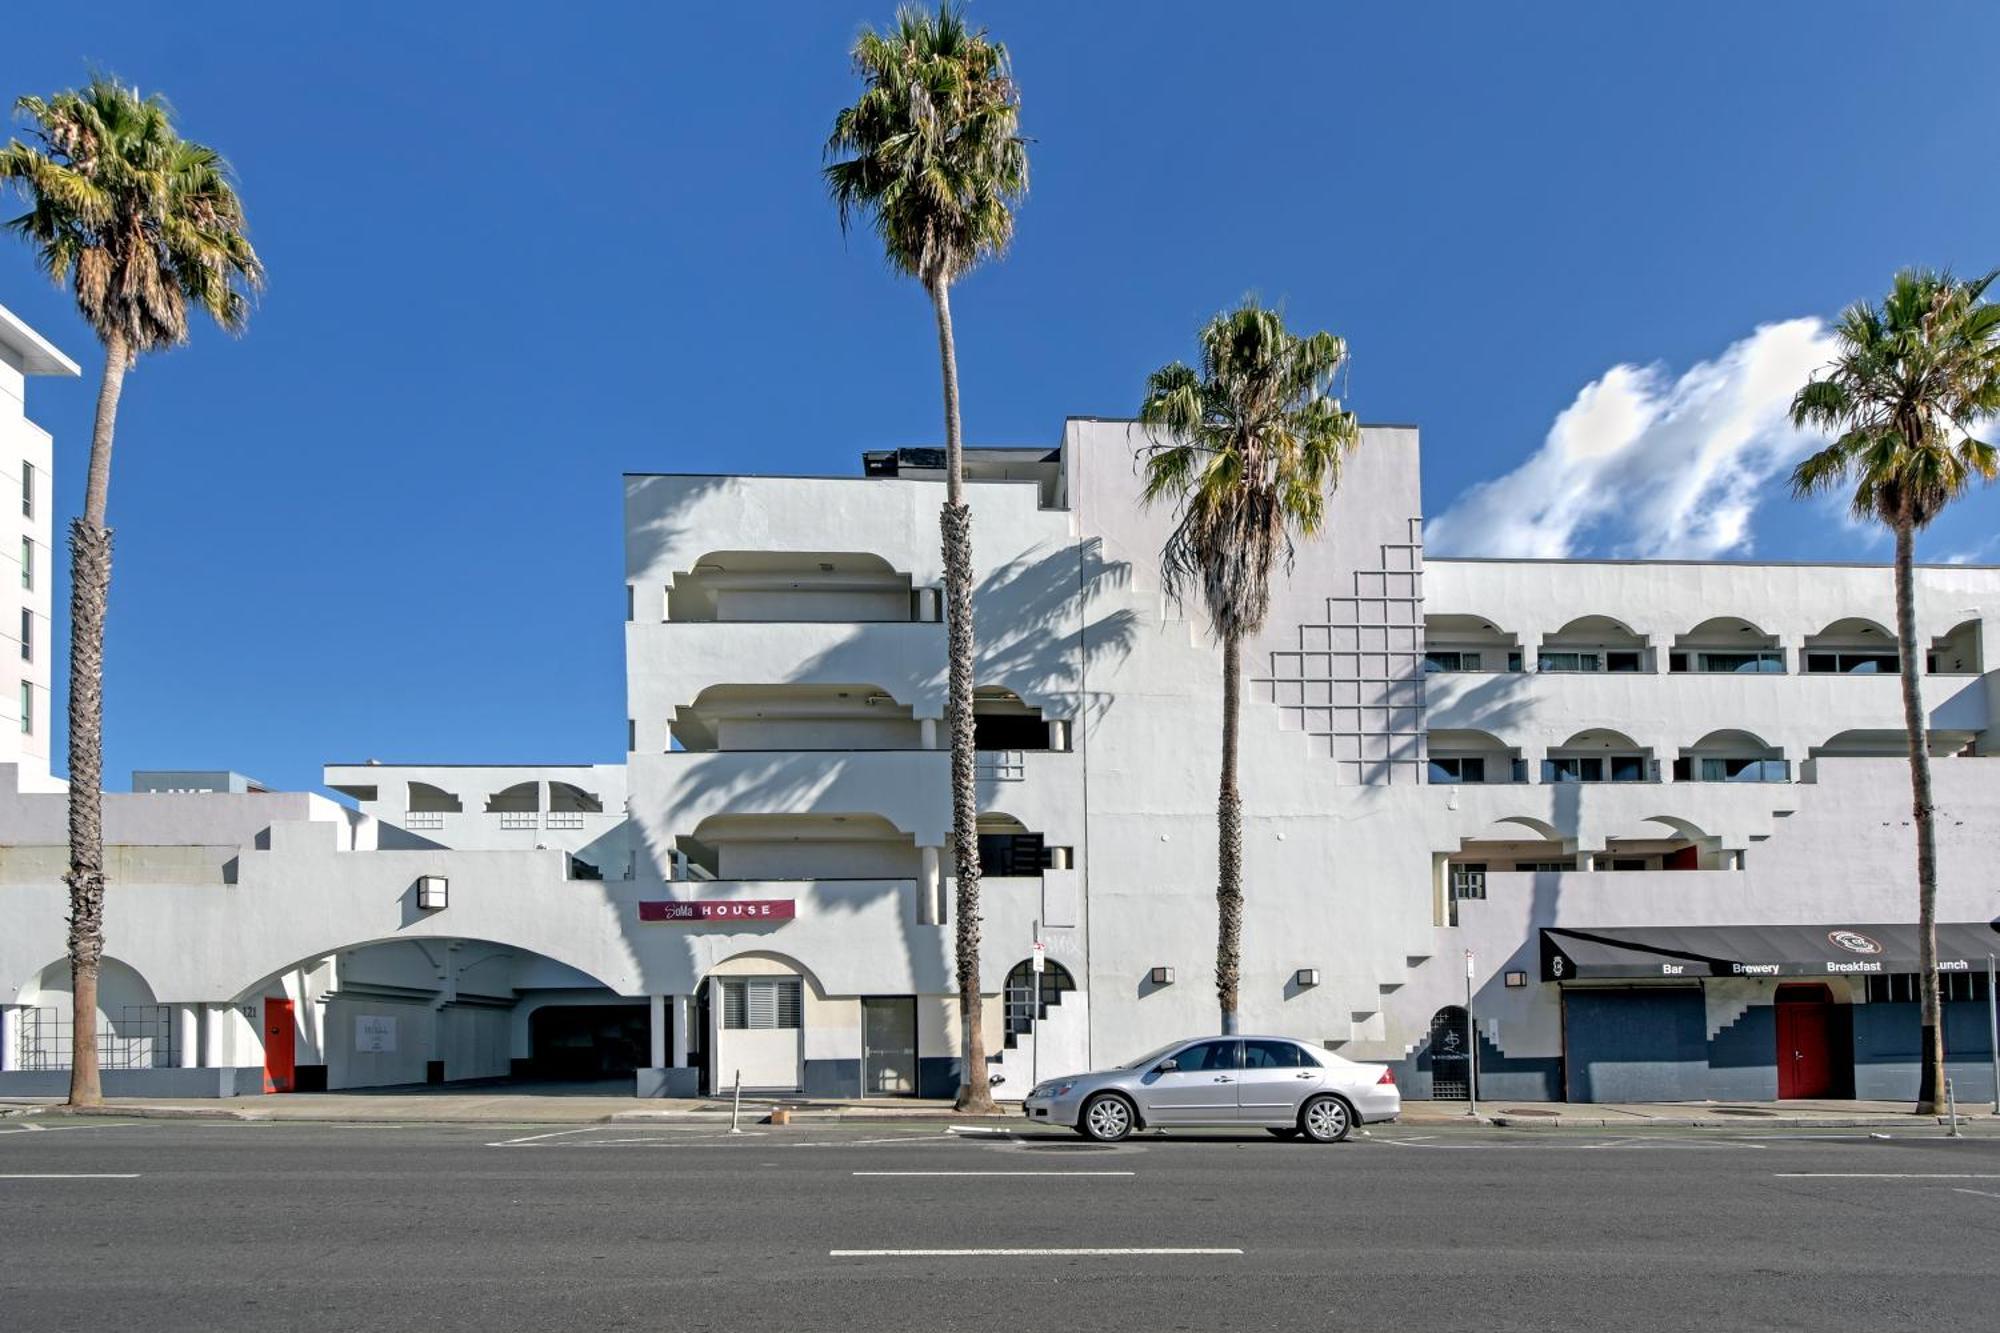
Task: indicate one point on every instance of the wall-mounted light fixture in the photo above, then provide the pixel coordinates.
(1163, 976)
(1516, 980)
(433, 892)
(1307, 976)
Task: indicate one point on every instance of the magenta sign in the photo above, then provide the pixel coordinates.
(742, 909)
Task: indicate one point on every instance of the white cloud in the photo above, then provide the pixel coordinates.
(1642, 464)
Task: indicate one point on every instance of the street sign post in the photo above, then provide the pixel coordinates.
(1472, 1045)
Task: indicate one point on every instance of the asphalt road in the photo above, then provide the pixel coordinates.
(181, 1225)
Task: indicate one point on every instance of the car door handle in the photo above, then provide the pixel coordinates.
(1222, 1078)
(1305, 1074)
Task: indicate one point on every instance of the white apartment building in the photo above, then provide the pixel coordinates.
(27, 551)
(1658, 805)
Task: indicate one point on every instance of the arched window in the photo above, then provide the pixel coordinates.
(1027, 1002)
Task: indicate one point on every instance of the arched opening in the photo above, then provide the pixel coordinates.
(1732, 756)
(794, 717)
(756, 1008)
(796, 846)
(1594, 644)
(1956, 652)
(1028, 995)
(429, 800)
(431, 1010)
(1854, 646)
(1009, 849)
(1881, 743)
(796, 586)
(1599, 755)
(521, 798)
(1677, 844)
(1003, 721)
(1469, 643)
(566, 798)
(1468, 756)
(1726, 645)
(134, 1030)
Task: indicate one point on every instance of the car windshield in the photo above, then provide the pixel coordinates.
(1153, 1056)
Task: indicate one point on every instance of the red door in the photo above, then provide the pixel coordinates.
(1805, 1054)
(280, 1043)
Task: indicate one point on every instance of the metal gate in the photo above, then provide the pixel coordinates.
(141, 1037)
(1451, 1055)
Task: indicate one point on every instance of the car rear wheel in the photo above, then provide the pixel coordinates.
(1326, 1120)
(1106, 1118)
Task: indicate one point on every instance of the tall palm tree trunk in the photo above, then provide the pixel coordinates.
(1930, 1086)
(90, 586)
(1229, 844)
(956, 524)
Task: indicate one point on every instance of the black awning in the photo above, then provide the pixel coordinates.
(1569, 954)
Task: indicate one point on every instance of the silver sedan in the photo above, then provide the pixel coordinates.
(1283, 1085)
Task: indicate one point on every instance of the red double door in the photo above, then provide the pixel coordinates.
(1805, 1042)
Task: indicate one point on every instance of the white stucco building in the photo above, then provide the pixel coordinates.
(1659, 803)
(27, 550)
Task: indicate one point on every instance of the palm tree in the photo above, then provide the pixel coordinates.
(141, 225)
(1252, 444)
(1909, 380)
(932, 153)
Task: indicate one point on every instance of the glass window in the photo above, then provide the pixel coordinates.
(1544, 867)
(1513, 661)
(27, 635)
(1628, 768)
(1740, 663)
(1548, 661)
(1470, 768)
(27, 708)
(1628, 863)
(27, 563)
(1851, 664)
(1206, 1056)
(1623, 661)
(27, 490)
(1273, 1055)
(1450, 660)
(1677, 662)
(1588, 768)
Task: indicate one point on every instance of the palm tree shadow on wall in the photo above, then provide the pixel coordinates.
(662, 504)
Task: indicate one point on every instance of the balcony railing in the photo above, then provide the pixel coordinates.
(423, 819)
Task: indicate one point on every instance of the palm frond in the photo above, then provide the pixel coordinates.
(1246, 447)
(140, 223)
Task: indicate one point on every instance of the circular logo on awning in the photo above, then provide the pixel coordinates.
(1853, 941)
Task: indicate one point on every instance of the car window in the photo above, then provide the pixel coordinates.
(1208, 1055)
(1273, 1055)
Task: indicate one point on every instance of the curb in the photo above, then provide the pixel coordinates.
(1727, 1122)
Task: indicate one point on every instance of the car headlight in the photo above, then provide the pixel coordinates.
(1052, 1089)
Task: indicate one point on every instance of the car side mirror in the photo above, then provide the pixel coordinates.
(1167, 1066)
(996, 1080)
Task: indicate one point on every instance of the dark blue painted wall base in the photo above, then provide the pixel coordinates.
(1887, 1038)
(937, 1076)
(833, 1078)
(1743, 1058)
(139, 1082)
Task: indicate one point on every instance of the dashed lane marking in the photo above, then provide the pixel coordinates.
(1887, 1175)
(537, 1138)
(1984, 1194)
(1031, 1253)
(77, 1175)
(995, 1173)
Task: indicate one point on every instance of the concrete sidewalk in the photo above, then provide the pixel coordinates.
(514, 1106)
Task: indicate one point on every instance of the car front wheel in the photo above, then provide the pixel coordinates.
(1106, 1118)
(1326, 1120)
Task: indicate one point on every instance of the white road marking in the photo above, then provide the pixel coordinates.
(1023, 1253)
(995, 1173)
(1984, 1194)
(552, 1134)
(63, 1129)
(77, 1175)
(1888, 1175)
(986, 1130)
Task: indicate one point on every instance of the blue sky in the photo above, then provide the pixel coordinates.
(512, 258)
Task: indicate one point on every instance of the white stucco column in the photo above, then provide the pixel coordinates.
(927, 732)
(187, 1036)
(10, 1037)
(212, 1017)
(657, 1006)
(683, 1026)
(930, 889)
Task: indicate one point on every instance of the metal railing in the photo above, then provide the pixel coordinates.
(142, 1037)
